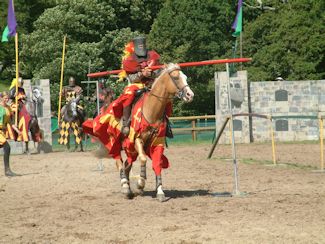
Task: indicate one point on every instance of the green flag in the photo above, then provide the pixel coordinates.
(5, 35)
(237, 26)
(10, 29)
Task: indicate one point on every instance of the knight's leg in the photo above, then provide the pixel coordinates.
(126, 120)
(125, 169)
(6, 156)
(68, 140)
(143, 163)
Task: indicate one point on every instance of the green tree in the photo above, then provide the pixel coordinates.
(26, 13)
(96, 32)
(194, 30)
(288, 42)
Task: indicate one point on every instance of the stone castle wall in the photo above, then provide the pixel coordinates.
(303, 101)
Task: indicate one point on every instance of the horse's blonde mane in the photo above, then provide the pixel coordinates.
(169, 68)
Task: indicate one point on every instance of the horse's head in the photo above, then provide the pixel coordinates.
(177, 83)
(71, 112)
(37, 96)
(72, 109)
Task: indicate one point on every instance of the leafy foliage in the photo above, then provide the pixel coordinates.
(288, 42)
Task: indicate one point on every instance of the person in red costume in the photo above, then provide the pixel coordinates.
(139, 75)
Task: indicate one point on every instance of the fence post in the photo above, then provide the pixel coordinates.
(193, 131)
(321, 138)
(273, 141)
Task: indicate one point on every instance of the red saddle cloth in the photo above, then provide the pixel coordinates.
(107, 128)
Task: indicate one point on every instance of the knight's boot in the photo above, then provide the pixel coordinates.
(126, 120)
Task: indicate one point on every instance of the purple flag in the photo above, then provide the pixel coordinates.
(11, 19)
(239, 8)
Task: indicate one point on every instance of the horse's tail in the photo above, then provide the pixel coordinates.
(101, 152)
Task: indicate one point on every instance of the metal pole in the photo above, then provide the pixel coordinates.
(97, 93)
(233, 145)
(241, 49)
(89, 63)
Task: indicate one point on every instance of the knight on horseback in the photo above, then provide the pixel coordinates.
(139, 75)
(72, 93)
(142, 134)
(23, 114)
(72, 114)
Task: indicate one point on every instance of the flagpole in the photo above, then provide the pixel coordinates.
(241, 49)
(17, 77)
(61, 79)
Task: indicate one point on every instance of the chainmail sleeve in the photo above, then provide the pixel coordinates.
(133, 78)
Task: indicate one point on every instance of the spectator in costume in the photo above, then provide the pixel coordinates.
(5, 114)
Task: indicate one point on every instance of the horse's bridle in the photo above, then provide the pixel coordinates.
(180, 92)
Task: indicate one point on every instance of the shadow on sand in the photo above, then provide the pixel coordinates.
(179, 194)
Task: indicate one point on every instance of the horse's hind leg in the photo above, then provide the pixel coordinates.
(143, 161)
(81, 147)
(27, 148)
(124, 169)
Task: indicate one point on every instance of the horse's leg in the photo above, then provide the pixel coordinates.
(124, 169)
(160, 193)
(27, 149)
(68, 141)
(143, 162)
(81, 147)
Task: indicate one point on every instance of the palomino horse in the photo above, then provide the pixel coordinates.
(72, 118)
(172, 81)
(147, 131)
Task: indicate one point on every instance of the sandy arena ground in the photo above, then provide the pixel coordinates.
(63, 199)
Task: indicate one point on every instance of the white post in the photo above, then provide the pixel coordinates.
(233, 145)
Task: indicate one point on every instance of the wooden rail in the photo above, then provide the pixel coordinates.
(194, 129)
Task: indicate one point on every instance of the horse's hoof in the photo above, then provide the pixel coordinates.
(126, 191)
(141, 183)
(140, 192)
(161, 197)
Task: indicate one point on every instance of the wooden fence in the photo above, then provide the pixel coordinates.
(194, 129)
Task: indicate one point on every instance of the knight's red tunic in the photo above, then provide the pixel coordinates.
(133, 65)
(107, 128)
